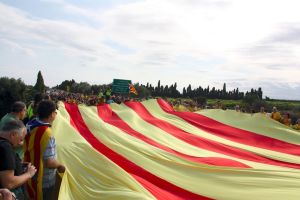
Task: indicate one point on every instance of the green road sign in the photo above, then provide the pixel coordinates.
(121, 86)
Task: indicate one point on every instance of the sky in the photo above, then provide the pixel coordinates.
(243, 43)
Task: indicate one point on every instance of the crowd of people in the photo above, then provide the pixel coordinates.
(90, 100)
(185, 105)
(284, 118)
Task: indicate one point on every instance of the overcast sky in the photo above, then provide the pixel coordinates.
(243, 43)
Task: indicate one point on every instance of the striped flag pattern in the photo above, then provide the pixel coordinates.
(146, 150)
(132, 89)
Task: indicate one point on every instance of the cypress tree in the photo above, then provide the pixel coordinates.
(224, 87)
(40, 86)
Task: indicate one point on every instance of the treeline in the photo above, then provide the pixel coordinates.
(213, 93)
(15, 89)
(82, 87)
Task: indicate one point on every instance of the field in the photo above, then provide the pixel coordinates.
(287, 105)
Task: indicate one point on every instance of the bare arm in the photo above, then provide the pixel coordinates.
(54, 164)
(50, 160)
(10, 181)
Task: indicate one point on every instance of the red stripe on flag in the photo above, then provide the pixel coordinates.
(201, 142)
(37, 155)
(110, 117)
(231, 133)
(29, 188)
(160, 188)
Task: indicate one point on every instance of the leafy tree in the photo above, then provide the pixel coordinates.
(158, 87)
(174, 92)
(184, 92)
(189, 90)
(66, 85)
(82, 87)
(165, 91)
(40, 86)
(224, 89)
(95, 89)
(142, 91)
(252, 102)
(260, 93)
(11, 90)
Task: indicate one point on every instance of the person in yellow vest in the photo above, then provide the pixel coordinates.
(276, 115)
(107, 94)
(100, 94)
(42, 155)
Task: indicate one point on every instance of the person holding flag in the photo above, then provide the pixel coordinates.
(43, 155)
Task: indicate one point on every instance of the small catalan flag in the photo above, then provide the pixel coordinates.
(132, 89)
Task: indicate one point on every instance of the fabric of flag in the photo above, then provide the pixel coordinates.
(132, 89)
(146, 150)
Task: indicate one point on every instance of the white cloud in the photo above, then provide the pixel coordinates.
(16, 47)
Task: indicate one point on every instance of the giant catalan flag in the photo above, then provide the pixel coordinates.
(146, 150)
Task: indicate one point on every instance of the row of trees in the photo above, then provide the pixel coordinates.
(82, 87)
(171, 91)
(213, 93)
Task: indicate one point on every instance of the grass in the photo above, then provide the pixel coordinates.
(224, 102)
